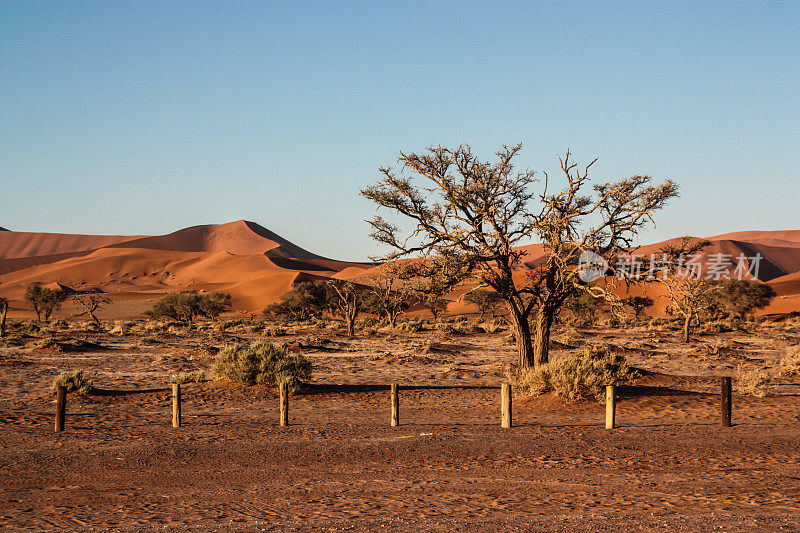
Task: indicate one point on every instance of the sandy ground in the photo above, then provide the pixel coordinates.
(449, 466)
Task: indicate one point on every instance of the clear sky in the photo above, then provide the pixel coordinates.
(146, 117)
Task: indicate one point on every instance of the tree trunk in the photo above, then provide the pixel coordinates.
(541, 337)
(3, 319)
(96, 320)
(351, 323)
(522, 334)
(686, 327)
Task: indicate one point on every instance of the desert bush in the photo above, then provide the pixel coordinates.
(411, 326)
(261, 363)
(86, 327)
(445, 327)
(791, 362)
(73, 381)
(44, 342)
(612, 322)
(491, 327)
(27, 326)
(370, 322)
(155, 327)
(274, 331)
(121, 327)
(184, 377)
(581, 376)
(465, 328)
(754, 382)
(185, 306)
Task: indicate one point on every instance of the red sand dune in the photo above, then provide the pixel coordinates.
(257, 266)
(253, 264)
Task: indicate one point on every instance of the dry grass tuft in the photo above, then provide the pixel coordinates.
(754, 382)
(73, 381)
(581, 376)
(791, 362)
(184, 377)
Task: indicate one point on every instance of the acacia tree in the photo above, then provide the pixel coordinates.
(3, 315)
(390, 292)
(584, 306)
(479, 211)
(185, 306)
(740, 297)
(91, 302)
(347, 301)
(484, 300)
(304, 301)
(43, 300)
(689, 293)
(637, 304)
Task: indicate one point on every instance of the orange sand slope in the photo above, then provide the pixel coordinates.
(253, 264)
(257, 266)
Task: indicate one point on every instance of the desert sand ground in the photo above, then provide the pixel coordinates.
(119, 465)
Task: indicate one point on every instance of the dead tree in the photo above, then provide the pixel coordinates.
(346, 301)
(91, 302)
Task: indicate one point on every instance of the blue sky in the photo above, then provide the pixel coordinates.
(146, 117)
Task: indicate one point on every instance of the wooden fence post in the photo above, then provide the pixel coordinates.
(611, 407)
(61, 407)
(395, 417)
(176, 405)
(505, 405)
(725, 401)
(283, 388)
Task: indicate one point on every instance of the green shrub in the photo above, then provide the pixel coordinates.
(581, 376)
(261, 363)
(73, 381)
(184, 377)
(185, 306)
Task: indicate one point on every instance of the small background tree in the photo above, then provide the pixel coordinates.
(637, 304)
(347, 300)
(43, 300)
(305, 300)
(584, 306)
(484, 300)
(741, 297)
(390, 291)
(185, 306)
(91, 303)
(690, 295)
